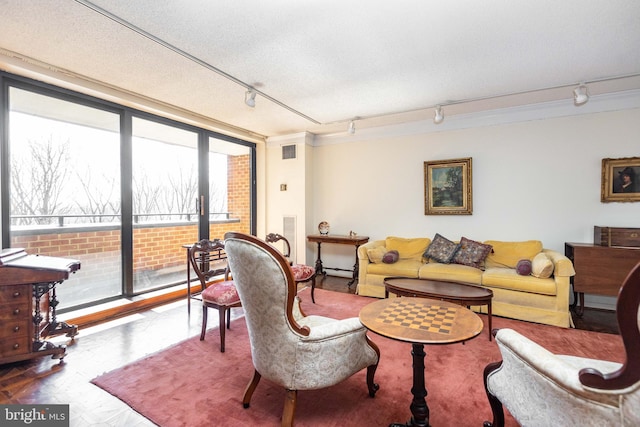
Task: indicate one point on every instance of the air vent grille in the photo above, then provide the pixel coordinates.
(288, 152)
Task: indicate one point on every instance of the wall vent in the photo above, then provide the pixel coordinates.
(289, 231)
(288, 152)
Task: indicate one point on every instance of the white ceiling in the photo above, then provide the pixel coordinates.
(318, 64)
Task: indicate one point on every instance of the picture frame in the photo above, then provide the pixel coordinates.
(448, 187)
(620, 180)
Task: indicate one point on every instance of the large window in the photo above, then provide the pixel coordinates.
(165, 191)
(120, 190)
(65, 189)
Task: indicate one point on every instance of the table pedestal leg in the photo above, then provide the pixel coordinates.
(419, 408)
(355, 269)
(319, 269)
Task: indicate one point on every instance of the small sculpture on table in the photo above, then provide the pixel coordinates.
(323, 228)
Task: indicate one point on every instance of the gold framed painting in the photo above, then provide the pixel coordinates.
(620, 180)
(447, 187)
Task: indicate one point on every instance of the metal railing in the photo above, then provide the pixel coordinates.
(61, 218)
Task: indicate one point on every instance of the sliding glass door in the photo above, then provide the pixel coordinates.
(164, 195)
(120, 190)
(65, 189)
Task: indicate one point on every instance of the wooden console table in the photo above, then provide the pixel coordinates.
(340, 240)
(599, 269)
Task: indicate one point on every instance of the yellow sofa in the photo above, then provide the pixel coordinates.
(524, 297)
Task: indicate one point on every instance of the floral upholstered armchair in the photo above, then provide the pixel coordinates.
(543, 389)
(295, 351)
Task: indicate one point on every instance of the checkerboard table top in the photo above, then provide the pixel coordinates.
(421, 320)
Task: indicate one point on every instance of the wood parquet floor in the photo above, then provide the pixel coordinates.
(117, 343)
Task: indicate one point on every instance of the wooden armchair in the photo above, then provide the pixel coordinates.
(540, 388)
(301, 273)
(288, 348)
(204, 257)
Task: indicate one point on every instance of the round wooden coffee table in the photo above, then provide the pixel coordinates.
(458, 293)
(420, 321)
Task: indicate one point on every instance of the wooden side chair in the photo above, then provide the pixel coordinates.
(207, 261)
(289, 348)
(301, 273)
(540, 388)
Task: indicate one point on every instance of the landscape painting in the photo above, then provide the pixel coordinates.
(447, 187)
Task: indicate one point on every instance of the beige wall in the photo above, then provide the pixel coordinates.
(532, 179)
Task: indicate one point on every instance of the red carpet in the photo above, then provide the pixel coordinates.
(193, 384)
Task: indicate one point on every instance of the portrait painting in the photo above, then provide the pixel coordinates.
(620, 180)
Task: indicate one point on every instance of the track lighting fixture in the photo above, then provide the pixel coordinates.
(250, 98)
(580, 95)
(352, 127)
(439, 115)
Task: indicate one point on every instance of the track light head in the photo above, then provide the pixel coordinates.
(250, 98)
(439, 115)
(580, 95)
(352, 127)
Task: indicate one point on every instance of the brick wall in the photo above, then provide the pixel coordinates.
(155, 246)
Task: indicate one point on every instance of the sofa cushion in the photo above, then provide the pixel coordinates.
(507, 254)
(408, 248)
(441, 249)
(507, 278)
(451, 273)
(523, 267)
(471, 253)
(391, 257)
(541, 266)
(375, 255)
(403, 268)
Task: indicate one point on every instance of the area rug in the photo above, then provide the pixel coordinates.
(193, 384)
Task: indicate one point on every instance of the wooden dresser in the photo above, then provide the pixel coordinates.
(28, 304)
(599, 269)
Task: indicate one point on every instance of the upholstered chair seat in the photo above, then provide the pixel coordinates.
(302, 273)
(222, 293)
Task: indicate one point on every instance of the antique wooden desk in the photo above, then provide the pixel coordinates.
(340, 240)
(599, 269)
(28, 304)
(420, 321)
(459, 293)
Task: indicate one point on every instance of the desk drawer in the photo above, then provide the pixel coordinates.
(15, 311)
(15, 293)
(15, 346)
(15, 328)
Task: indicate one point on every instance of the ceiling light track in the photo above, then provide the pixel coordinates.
(438, 109)
(190, 57)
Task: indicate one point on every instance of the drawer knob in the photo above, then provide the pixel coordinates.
(16, 328)
(16, 311)
(634, 235)
(16, 294)
(16, 346)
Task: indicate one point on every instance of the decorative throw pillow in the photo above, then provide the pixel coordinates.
(523, 267)
(471, 253)
(441, 249)
(541, 266)
(375, 255)
(391, 257)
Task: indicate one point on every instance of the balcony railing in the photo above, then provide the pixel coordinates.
(63, 219)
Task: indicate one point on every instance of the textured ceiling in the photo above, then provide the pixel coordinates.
(318, 64)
